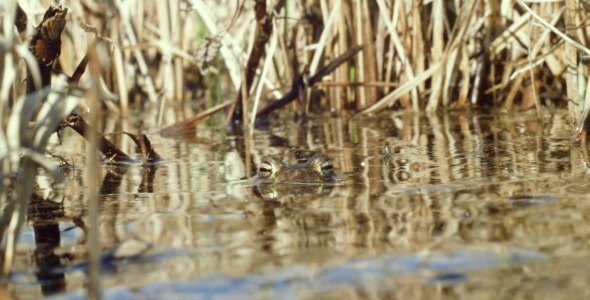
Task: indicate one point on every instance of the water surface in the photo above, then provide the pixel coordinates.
(482, 205)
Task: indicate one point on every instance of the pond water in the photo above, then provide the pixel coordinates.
(461, 205)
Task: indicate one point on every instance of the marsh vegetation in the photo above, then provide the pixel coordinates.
(129, 130)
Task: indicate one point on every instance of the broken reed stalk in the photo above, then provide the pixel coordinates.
(149, 154)
(110, 150)
(77, 122)
(299, 85)
(265, 69)
(264, 25)
(190, 123)
(46, 44)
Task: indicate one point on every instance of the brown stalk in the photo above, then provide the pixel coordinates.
(79, 70)
(79, 125)
(355, 84)
(144, 146)
(45, 46)
(46, 43)
(110, 150)
(298, 83)
(190, 123)
(263, 33)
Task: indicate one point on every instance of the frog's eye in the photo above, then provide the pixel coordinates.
(265, 169)
(327, 167)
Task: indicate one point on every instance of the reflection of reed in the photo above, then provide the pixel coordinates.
(467, 181)
(501, 154)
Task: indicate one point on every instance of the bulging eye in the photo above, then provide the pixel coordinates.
(265, 169)
(327, 167)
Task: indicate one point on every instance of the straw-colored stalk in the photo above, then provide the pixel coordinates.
(93, 242)
(571, 55)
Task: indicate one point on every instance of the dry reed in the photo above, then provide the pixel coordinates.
(440, 54)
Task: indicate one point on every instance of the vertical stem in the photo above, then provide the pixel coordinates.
(370, 65)
(93, 242)
(360, 70)
(437, 54)
(418, 42)
(571, 54)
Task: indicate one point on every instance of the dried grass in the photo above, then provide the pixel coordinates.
(159, 48)
(156, 45)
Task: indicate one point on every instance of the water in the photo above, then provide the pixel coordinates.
(457, 205)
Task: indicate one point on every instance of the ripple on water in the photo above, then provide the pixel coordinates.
(461, 195)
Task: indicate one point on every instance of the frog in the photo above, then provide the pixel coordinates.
(317, 168)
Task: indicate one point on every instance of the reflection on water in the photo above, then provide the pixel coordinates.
(430, 206)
